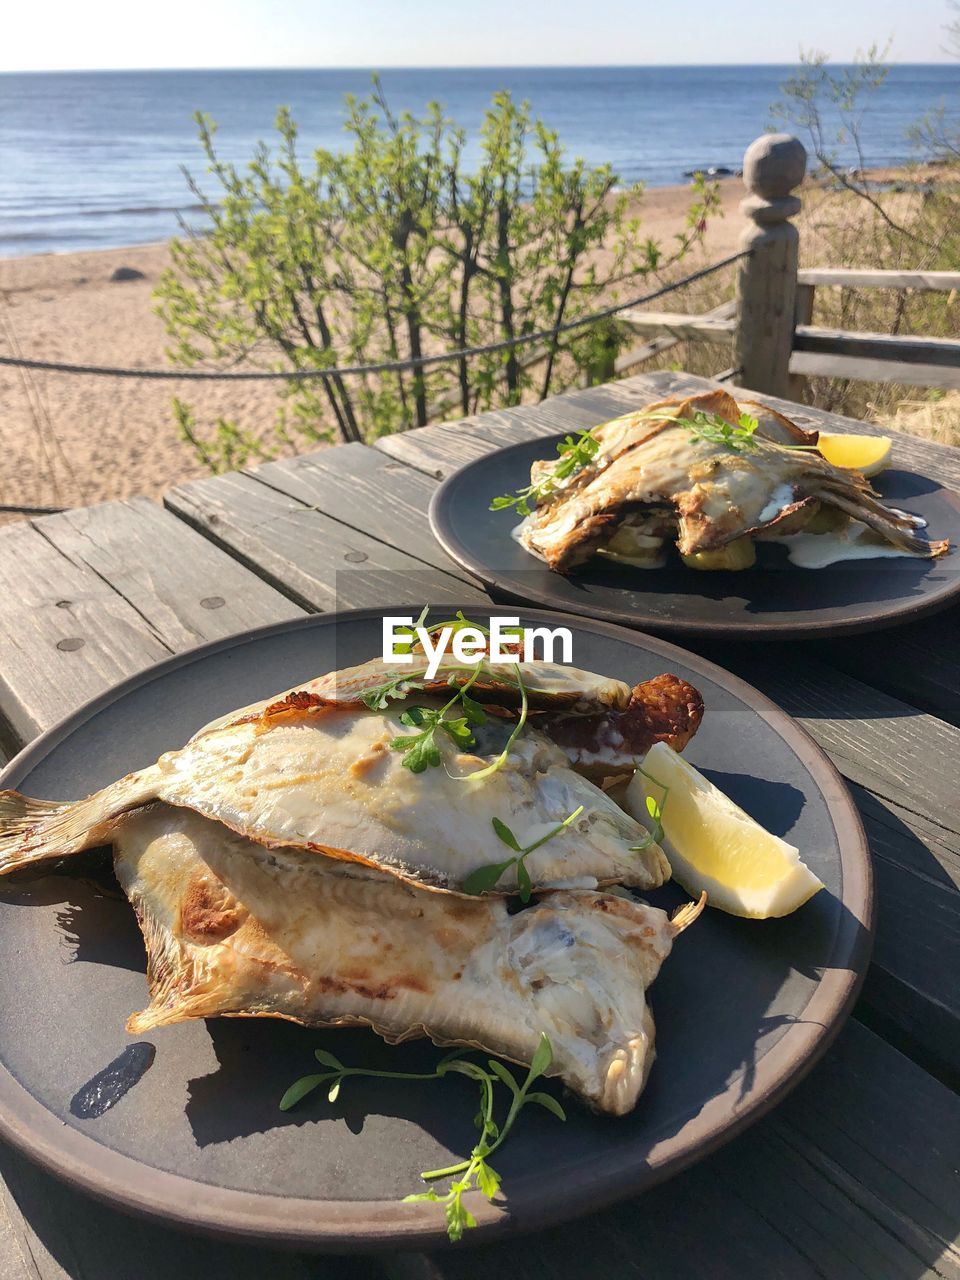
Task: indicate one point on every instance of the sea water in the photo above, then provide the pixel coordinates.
(92, 159)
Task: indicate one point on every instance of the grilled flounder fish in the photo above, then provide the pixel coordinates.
(657, 475)
(234, 929)
(319, 774)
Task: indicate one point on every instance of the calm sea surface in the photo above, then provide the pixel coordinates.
(92, 159)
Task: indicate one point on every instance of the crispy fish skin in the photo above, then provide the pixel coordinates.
(664, 709)
(718, 494)
(549, 685)
(330, 782)
(315, 772)
(233, 929)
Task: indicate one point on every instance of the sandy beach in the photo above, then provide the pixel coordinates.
(68, 440)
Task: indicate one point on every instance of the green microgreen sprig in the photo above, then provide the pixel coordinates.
(655, 809)
(474, 1173)
(478, 775)
(486, 877)
(395, 687)
(420, 750)
(715, 429)
(575, 452)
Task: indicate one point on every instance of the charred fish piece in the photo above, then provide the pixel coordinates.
(236, 930)
(652, 470)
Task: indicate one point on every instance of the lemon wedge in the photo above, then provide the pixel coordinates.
(714, 846)
(866, 454)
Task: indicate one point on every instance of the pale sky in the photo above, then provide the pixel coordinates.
(100, 34)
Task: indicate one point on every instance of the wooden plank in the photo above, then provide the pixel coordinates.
(95, 595)
(366, 490)
(917, 868)
(702, 328)
(70, 1236)
(441, 449)
(853, 1177)
(638, 355)
(919, 662)
(812, 364)
(66, 635)
(854, 278)
(908, 762)
(184, 588)
(895, 347)
(806, 296)
(317, 562)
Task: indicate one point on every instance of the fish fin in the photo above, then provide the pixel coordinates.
(174, 980)
(684, 917)
(36, 830)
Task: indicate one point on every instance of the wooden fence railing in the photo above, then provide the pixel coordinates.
(769, 328)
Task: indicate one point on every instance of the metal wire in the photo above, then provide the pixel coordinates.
(385, 366)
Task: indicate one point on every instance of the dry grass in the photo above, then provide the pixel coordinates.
(937, 417)
(841, 230)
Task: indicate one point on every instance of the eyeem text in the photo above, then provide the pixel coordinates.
(505, 642)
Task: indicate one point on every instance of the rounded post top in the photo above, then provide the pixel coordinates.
(773, 165)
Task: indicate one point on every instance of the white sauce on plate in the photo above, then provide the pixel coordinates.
(516, 533)
(819, 550)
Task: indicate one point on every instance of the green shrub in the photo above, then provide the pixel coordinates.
(392, 249)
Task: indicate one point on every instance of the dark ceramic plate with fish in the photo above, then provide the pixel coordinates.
(773, 600)
(183, 1124)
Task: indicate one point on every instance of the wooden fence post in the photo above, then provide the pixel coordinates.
(767, 281)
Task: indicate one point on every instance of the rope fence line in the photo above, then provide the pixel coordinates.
(385, 366)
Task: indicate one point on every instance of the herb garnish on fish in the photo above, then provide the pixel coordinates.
(474, 1173)
(420, 749)
(717, 430)
(655, 810)
(485, 878)
(575, 452)
(396, 686)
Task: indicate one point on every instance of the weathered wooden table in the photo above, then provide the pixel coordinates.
(856, 1173)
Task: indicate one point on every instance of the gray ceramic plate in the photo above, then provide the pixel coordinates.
(742, 1008)
(772, 601)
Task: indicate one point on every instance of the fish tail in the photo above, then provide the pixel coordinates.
(36, 830)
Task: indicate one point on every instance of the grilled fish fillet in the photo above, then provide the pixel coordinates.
(710, 493)
(317, 774)
(234, 929)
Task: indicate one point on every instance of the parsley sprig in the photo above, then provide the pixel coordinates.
(575, 452)
(474, 1173)
(717, 430)
(487, 877)
(420, 750)
(396, 686)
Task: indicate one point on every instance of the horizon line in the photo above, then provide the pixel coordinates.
(945, 61)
